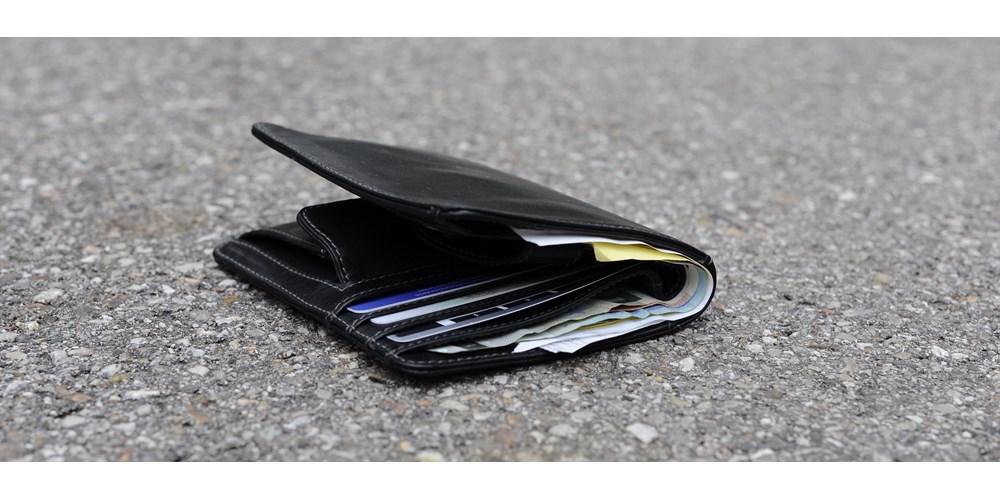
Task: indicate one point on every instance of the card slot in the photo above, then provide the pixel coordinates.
(553, 279)
(289, 233)
(366, 329)
(366, 242)
(423, 356)
(316, 270)
(657, 280)
(362, 320)
(420, 361)
(402, 281)
(504, 276)
(293, 274)
(645, 275)
(427, 363)
(293, 258)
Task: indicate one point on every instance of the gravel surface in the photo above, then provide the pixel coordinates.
(848, 191)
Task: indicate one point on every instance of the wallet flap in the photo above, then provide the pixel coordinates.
(452, 194)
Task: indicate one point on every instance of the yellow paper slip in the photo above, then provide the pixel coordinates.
(613, 252)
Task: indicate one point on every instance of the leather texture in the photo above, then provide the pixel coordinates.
(422, 219)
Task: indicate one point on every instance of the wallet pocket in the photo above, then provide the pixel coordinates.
(489, 279)
(638, 275)
(285, 270)
(290, 233)
(366, 242)
(533, 283)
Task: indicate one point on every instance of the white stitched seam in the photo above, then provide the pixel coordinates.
(265, 278)
(362, 292)
(290, 235)
(351, 330)
(336, 252)
(293, 271)
(347, 285)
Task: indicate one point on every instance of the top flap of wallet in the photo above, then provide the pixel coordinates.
(444, 192)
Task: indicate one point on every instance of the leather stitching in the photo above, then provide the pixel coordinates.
(343, 286)
(351, 330)
(330, 242)
(288, 235)
(336, 252)
(347, 299)
(400, 273)
(268, 280)
(264, 254)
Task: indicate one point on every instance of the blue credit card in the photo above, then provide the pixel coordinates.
(490, 313)
(413, 295)
(450, 303)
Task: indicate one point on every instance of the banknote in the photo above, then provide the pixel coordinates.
(605, 249)
(593, 325)
(571, 340)
(590, 308)
(574, 341)
(613, 307)
(490, 313)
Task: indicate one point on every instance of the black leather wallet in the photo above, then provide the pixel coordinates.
(427, 229)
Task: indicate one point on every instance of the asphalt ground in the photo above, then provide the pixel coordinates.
(848, 191)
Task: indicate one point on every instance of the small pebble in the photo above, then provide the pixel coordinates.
(563, 430)
(72, 421)
(430, 456)
(48, 296)
(643, 432)
(763, 455)
(451, 404)
(199, 370)
(687, 364)
(141, 394)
